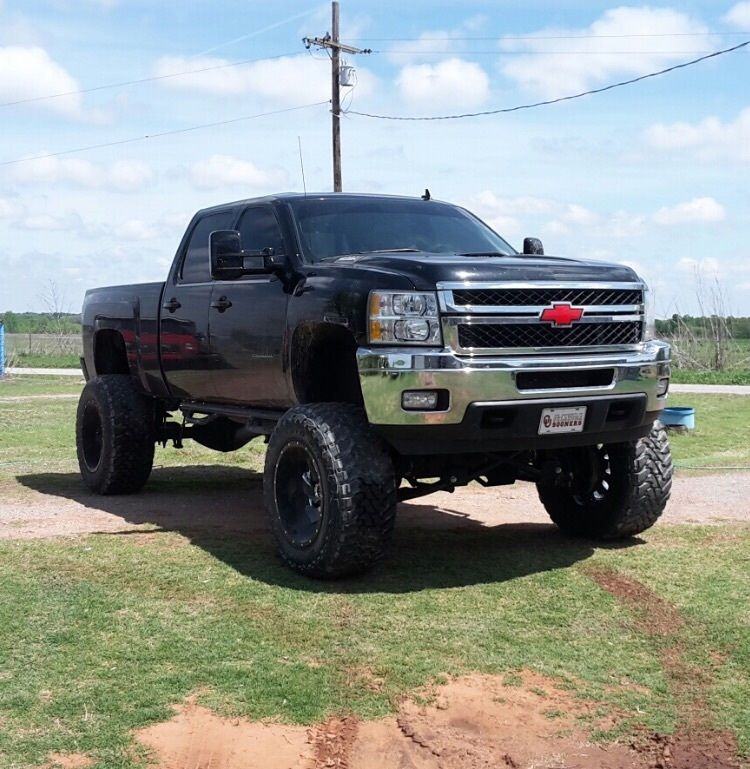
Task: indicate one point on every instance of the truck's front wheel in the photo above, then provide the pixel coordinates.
(114, 435)
(617, 490)
(330, 491)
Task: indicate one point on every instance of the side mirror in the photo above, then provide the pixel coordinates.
(229, 261)
(225, 247)
(533, 246)
(259, 261)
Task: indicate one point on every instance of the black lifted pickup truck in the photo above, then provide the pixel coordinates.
(385, 348)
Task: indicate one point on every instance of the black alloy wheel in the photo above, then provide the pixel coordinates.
(299, 494)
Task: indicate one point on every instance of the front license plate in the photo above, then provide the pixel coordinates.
(567, 419)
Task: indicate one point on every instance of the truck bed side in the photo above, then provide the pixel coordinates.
(121, 333)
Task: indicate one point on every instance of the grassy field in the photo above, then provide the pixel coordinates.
(686, 376)
(44, 360)
(101, 634)
(43, 350)
(40, 431)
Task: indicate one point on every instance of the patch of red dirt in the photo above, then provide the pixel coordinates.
(332, 742)
(69, 761)
(696, 744)
(196, 738)
(477, 722)
(655, 616)
(474, 722)
(709, 750)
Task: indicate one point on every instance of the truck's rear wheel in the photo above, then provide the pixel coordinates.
(114, 435)
(618, 490)
(330, 491)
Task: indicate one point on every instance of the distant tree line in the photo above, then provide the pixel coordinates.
(738, 328)
(69, 323)
(41, 322)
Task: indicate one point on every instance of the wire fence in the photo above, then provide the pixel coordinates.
(42, 344)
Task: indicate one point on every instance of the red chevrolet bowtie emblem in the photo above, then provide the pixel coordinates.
(563, 314)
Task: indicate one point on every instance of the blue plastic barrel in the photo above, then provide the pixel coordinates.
(679, 416)
(2, 349)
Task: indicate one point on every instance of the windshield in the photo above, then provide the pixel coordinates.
(332, 227)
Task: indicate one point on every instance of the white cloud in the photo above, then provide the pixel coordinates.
(10, 209)
(288, 81)
(710, 138)
(29, 71)
(228, 171)
(433, 42)
(698, 210)
(49, 222)
(129, 175)
(557, 74)
(553, 217)
(120, 176)
(503, 213)
(136, 229)
(428, 44)
(739, 16)
(514, 217)
(453, 82)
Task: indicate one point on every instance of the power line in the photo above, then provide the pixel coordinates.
(400, 52)
(124, 83)
(161, 133)
(154, 78)
(559, 99)
(547, 37)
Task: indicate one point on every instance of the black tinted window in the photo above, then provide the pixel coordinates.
(259, 229)
(337, 226)
(195, 268)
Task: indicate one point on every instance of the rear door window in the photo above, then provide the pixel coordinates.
(195, 266)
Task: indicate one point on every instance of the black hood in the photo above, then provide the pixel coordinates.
(426, 270)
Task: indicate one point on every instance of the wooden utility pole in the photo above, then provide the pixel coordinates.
(332, 43)
(336, 96)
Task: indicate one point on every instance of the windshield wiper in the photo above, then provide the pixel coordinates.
(483, 253)
(375, 251)
(390, 251)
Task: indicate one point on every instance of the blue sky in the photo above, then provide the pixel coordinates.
(654, 175)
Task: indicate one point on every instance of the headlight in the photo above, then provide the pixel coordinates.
(410, 317)
(649, 331)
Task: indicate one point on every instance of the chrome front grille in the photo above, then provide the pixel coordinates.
(510, 335)
(488, 319)
(523, 297)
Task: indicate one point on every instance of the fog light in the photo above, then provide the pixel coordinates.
(419, 400)
(662, 388)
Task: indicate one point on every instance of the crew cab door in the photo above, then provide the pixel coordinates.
(248, 322)
(184, 347)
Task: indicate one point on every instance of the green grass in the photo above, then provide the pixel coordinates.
(686, 376)
(720, 437)
(43, 360)
(41, 432)
(99, 635)
(18, 386)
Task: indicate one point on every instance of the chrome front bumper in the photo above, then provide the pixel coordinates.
(385, 373)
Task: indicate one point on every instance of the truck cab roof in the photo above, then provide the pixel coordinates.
(281, 197)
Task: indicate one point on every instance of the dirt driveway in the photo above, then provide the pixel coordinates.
(230, 499)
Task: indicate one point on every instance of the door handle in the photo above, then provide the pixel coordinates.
(221, 304)
(172, 305)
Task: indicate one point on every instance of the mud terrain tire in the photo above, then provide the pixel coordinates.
(115, 435)
(635, 484)
(330, 491)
